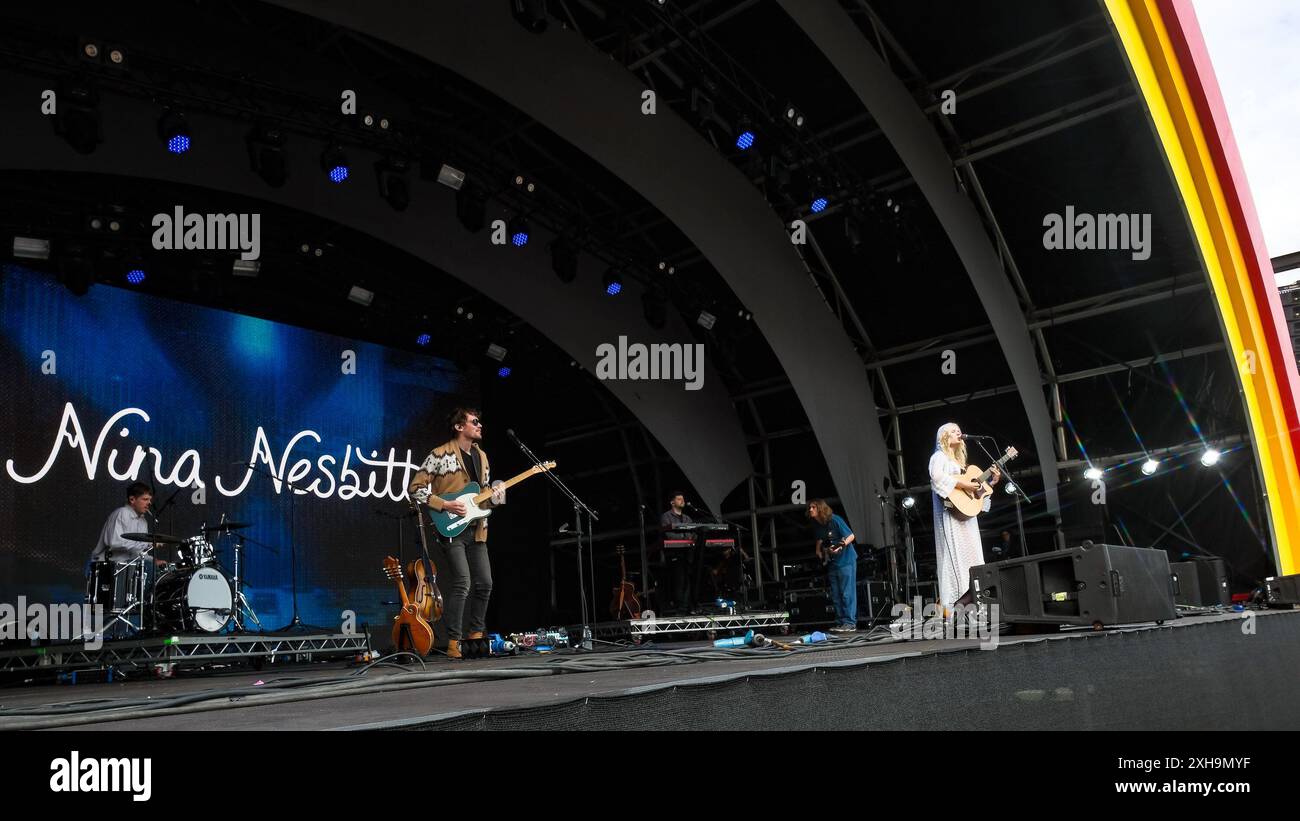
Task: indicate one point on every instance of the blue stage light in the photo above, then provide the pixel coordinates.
(744, 140)
(518, 232)
(423, 339)
(503, 372)
(338, 173)
(135, 276)
(179, 144)
(819, 205)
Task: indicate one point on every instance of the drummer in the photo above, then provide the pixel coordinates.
(131, 517)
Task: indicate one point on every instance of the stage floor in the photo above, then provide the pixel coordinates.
(427, 697)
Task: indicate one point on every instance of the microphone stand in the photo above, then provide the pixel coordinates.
(296, 624)
(645, 562)
(1018, 494)
(579, 508)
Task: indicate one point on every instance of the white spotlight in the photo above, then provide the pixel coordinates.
(1210, 458)
(1149, 466)
(909, 502)
(1092, 473)
(1011, 487)
(31, 248)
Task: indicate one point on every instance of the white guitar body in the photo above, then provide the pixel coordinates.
(472, 514)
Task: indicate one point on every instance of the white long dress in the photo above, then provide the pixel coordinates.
(956, 540)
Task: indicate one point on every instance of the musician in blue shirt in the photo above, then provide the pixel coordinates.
(835, 546)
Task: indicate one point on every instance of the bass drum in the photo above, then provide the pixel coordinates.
(192, 599)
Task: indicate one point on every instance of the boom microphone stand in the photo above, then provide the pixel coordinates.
(295, 624)
(579, 508)
(1018, 493)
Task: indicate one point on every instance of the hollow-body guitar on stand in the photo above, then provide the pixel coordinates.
(421, 598)
(473, 495)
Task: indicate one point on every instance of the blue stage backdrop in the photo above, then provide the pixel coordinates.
(115, 386)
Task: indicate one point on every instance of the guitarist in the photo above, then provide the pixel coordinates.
(956, 539)
(835, 547)
(447, 469)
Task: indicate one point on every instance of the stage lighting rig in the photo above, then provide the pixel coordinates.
(266, 155)
(613, 281)
(471, 207)
(393, 184)
(518, 230)
(335, 163)
(77, 119)
(174, 131)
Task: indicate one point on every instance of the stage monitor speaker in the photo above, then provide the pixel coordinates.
(1096, 585)
(1202, 583)
(810, 607)
(1282, 591)
(874, 601)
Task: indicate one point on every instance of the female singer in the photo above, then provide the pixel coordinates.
(956, 539)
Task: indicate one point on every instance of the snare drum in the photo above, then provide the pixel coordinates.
(192, 599)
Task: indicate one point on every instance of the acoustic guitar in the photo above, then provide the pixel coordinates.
(963, 505)
(625, 600)
(472, 495)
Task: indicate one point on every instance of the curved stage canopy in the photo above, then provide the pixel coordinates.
(595, 104)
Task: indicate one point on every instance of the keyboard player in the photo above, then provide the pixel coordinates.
(677, 553)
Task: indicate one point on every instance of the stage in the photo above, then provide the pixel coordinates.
(1217, 671)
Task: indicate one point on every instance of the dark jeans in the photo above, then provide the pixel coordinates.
(465, 570)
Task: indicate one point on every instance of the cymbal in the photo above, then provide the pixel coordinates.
(160, 538)
(226, 526)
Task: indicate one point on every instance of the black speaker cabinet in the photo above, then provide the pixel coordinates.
(874, 601)
(1282, 591)
(1202, 583)
(1096, 585)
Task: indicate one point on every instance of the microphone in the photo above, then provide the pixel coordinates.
(511, 433)
(973, 436)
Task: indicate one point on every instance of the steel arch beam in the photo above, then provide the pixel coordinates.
(905, 125)
(594, 103)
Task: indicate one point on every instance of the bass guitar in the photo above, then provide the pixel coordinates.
(472, 496)
(965, 506)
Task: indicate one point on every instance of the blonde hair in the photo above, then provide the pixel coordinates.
(956, 449)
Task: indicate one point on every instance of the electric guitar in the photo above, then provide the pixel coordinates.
(831, 551)
(472, 495)
(966, 507)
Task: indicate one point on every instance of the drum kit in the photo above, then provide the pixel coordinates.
(194, 593)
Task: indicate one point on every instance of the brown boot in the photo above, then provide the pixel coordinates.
(453, 649)
(477, 634)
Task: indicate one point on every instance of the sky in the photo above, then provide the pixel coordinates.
(1255, 48)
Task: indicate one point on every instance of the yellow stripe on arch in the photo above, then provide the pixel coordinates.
(1156, 68)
